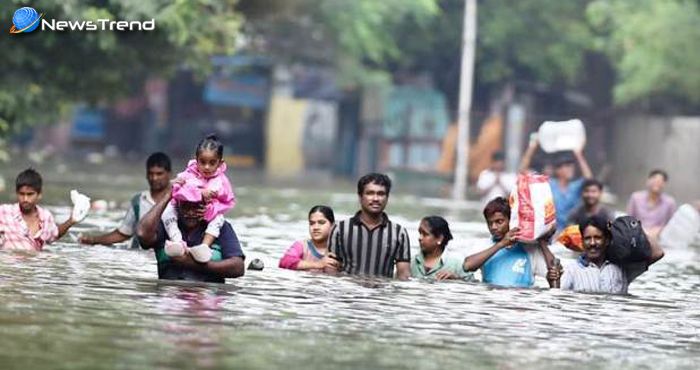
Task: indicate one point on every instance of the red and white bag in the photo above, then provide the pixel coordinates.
(532, 206)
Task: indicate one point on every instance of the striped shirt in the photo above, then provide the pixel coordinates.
(584, 276)
(14, 232)
(362, 251)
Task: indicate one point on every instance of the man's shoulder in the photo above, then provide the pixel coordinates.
(395, 225)
(577, 183)
(668, 198)
(573, 264)
(390, 220)
(351, 221)
(43, 212)
(227, 234)
(613, 270)
(143, 197)
(578, 211)
(227, 225)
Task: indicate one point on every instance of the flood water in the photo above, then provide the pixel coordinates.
(77, 307)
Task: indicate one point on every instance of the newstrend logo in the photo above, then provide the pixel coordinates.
(27, 20)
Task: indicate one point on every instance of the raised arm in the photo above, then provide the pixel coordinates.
(583, 164)
(147, 228)
(64, 227)
(656, 252)
(529, 153)
(631, 210)
(476, 260)
(483, 186)
(553, 272)
(543, 242)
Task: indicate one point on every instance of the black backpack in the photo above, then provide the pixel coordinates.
(629, 243)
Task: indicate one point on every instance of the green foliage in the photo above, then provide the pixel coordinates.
(363, 28)
(654, 46)
(52, 70)
(356, 36)
(540, 40)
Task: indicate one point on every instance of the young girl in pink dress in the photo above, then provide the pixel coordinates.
(312, 254)
(204, 180)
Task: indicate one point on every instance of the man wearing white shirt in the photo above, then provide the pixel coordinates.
(494, 181)
(158, 170)
(592, 272)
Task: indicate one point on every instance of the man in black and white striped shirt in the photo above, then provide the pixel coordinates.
(369, 243)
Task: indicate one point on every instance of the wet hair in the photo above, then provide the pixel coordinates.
(498, 156)
(498, 204)
(592, 182)
(325, 210)
(599, 222)
(439, 227)
(211, 142)
(159, 159)
(29, 177)
(376, 178)
(657, 171)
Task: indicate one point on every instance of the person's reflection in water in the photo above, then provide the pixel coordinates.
(190, 314)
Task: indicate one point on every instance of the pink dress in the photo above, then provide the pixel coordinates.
(300, 251)
(195, 182)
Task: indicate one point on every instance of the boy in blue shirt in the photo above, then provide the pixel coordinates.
(509, 262)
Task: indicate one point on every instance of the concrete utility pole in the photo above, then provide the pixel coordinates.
(466, 80)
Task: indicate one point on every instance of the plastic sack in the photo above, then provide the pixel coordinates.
(682, 229)
(81, 205)
(555, 136)
(571, 238)
(629, 243)
(532, 206)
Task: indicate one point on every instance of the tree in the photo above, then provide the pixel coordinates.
(45, 72)
(525, 41)
(653, 46)
(356, 37)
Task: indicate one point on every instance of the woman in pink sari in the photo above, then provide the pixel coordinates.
(312, 254)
